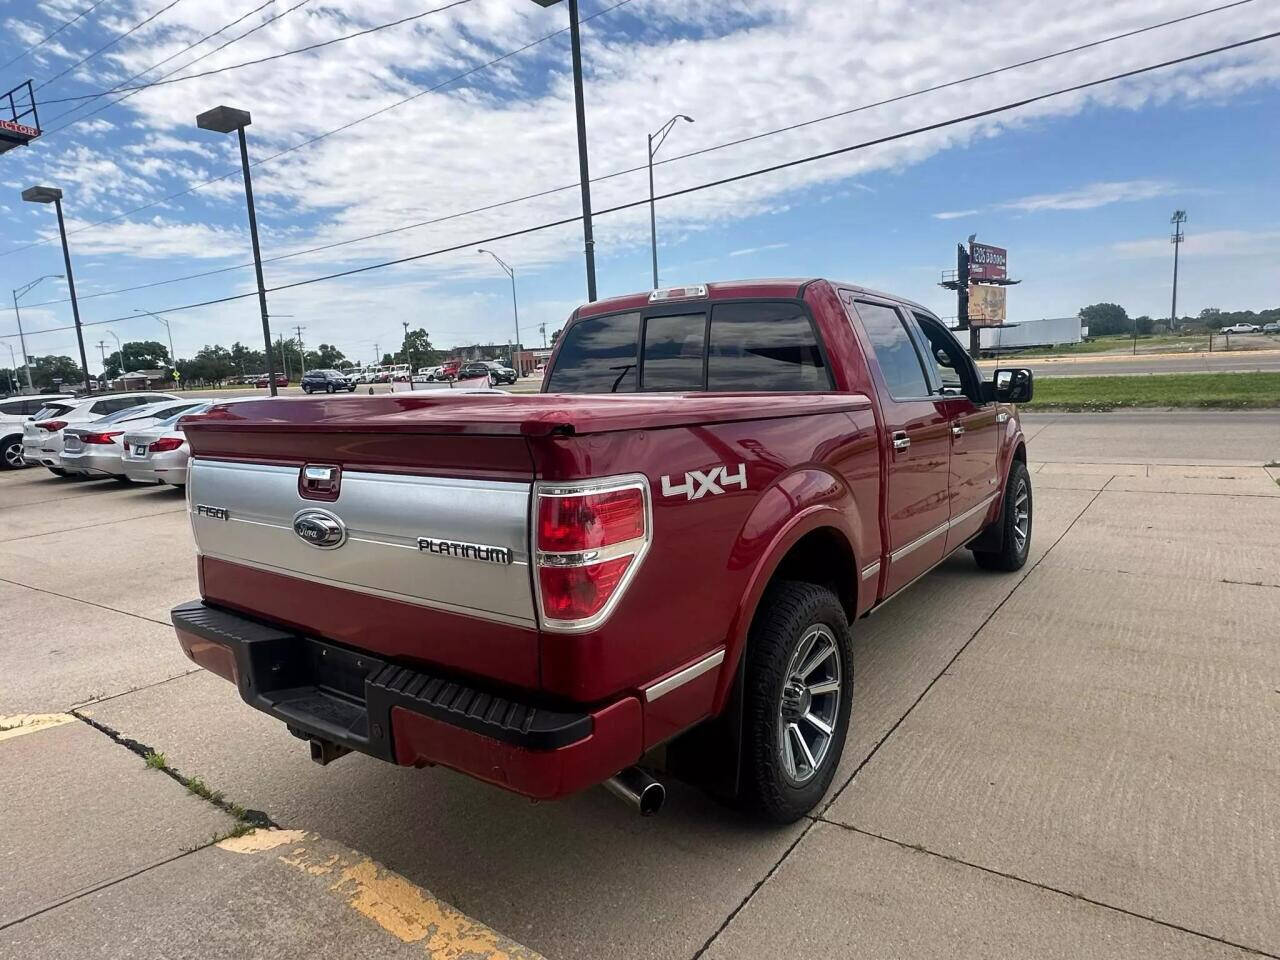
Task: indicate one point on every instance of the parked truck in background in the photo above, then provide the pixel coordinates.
(667, 548)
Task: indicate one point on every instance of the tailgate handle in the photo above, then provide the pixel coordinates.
(319, 481)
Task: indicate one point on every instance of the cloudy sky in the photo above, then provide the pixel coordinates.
(1079, 188)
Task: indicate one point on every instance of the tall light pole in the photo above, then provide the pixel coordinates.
(226, 120)
(13, 369)
(515, 310)
(54, 195)
(661, 135)
(22, 340)
(1178, 219)
(173, 357)
(584, 175)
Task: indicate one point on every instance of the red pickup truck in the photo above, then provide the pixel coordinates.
(658, 558)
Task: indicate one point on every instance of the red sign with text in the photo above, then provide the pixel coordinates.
(987, 262)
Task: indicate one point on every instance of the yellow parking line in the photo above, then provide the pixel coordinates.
(20, 723)
(400, 907)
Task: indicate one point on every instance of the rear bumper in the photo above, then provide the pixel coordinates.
(105, 462)
(408, 716)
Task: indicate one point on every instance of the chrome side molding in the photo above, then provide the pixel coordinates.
(663, 687)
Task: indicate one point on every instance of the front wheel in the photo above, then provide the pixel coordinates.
(1015, 524)
(329, 388)
(798, 694)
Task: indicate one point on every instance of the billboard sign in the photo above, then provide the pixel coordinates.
(986, 305)
(987, 262)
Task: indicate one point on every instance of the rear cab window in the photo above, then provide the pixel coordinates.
(748, 346)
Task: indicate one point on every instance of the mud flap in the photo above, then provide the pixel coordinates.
(710, 755)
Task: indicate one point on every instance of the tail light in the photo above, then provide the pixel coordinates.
(53, 426)
(165, 444)
(100, 437)
(589, 540)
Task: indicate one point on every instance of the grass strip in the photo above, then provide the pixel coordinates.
(1230, 391)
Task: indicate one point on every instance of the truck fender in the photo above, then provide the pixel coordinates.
(797, 504)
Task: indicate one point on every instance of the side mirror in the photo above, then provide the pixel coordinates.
(1012, 385)
(943, 359)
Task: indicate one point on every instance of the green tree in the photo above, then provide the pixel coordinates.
(46, 370)
(417, 350)
(247, 362)
(1211, 317)
(556, 336)
(1106, 319)
(138, 355)
(328, 357)
(1144, 325)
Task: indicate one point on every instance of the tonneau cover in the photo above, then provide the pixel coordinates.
(498, 414)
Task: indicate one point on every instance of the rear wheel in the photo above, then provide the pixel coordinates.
(11, 451)
(1015, 519)
(797, 696)
(328, 388)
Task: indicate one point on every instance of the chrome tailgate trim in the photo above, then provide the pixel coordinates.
(385, 515)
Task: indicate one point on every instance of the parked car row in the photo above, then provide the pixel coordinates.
(128, 436)
(1252, 328)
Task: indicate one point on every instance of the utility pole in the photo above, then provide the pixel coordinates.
(1178, 219)
(102, 349)
(405, 345)
(284, 360)
(302, 354)
(542, 329)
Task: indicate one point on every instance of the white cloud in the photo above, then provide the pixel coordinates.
(747, 251)
(955, 214)
(737, 67)
(1213, 243)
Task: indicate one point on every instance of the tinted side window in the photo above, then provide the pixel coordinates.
(598, 356)
(673, 348)
(768, 347)
(13, 409)
(103, 407)
(894, 350)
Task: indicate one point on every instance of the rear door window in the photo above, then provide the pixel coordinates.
(764, 347)
(598, 355)
(673, 351)
(895, 351)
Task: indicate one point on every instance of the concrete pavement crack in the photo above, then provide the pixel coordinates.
(91, 603)
(87, 526)
(1050, 889)
(879, 743)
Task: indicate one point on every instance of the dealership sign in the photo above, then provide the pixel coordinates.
(986, 305)
(987, 262)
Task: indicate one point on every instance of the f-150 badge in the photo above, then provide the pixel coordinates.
(698, 484)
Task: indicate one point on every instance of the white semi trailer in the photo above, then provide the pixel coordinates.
(1031, 333)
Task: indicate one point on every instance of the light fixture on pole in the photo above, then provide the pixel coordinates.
(661, 135)
(515, 310)
(228, 120)
(584, 175)
(173, 357)
(22, 340)
(54, 195)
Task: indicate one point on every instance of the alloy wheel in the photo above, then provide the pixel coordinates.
(810, 704)
(1021, 515)
(13, 455)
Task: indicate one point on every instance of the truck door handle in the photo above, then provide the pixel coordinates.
(901, 441)
(957, 429)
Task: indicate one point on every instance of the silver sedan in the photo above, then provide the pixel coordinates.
(159, 453)
(95, 448)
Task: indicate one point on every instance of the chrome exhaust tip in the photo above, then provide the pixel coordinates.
(643, 793)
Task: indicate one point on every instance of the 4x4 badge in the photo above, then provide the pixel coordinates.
(697, 483)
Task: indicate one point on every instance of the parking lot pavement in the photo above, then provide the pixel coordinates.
(1076, 760)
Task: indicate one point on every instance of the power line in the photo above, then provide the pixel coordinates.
(297, 146)
(161, 63)
(608, 176)
(110, 43)
(267, 59)
(52, 33)
(722, 181)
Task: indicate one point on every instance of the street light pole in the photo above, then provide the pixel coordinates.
(515, 309)
(22, 340)
(173, 356)
(54, 195)
(13, 369)
(1178, 219)
(226, 120)
(661, 135)
(584, 174)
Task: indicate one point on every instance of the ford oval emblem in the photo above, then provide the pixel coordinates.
(320, 529)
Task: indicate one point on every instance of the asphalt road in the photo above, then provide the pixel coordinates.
(1114, 366)
(1074, 760)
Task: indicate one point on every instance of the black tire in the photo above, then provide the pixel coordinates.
(11, 453)
(328, 388)
(1015, 541)
(790, 613)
